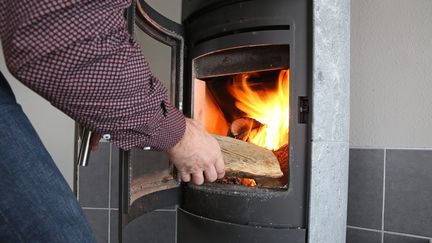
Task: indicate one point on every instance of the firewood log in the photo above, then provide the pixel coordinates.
(248, 160)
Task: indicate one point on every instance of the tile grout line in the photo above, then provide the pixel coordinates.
(389, 232)
(92, 208)
(388, 148)
(109, 193)
(365, 229)
(408, 235)
(383, 200)
(165, 210)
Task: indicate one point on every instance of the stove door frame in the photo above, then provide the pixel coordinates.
(167, 194)
(295, 197)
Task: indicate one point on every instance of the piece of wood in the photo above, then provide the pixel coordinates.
(282, 155)
(248, 160)
(241, 127)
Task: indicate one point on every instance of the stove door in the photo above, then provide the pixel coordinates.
(148, 181)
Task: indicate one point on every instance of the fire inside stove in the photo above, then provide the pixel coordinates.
(252, 107)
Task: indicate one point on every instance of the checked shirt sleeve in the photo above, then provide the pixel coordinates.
(79, 56)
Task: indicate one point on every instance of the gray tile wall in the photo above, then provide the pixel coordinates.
(390, 196)
(98, 194)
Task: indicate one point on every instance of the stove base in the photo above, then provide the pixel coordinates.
(196, 229)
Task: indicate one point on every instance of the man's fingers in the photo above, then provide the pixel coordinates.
(198, 178)
(185, 176)
(210, 174)
(198, 154)
(220, 167)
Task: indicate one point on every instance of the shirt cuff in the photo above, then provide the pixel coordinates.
(171, 129)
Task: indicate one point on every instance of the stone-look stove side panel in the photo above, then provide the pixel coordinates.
(330, 121)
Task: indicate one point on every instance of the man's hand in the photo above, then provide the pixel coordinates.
(197, 156)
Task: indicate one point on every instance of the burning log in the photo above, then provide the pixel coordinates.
(243, 159)
(282, 155)
(242, 127)
(237, 181)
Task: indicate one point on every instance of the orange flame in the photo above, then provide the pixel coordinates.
(269, 107)
(248, 182)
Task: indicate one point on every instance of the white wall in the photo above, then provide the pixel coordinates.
(55, 129)
(391, 73)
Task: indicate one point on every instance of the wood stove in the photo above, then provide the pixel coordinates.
(263, 47)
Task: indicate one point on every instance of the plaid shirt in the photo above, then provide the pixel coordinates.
(78, 55)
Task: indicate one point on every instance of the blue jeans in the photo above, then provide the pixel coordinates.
(36, 203)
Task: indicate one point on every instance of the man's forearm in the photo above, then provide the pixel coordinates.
(80, 57)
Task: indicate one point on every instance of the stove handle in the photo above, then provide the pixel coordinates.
(84, 150)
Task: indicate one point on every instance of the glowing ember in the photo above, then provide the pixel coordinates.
(248, 182)
(269, 107)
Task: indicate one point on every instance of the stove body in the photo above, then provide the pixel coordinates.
(232, 38)
(218, 41)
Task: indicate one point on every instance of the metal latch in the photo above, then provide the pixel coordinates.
(303, 116)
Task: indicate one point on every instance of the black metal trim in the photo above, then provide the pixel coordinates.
(244, 30)
(191, 14)
(170, 33)
(192, 228)
(238, 40)
(123, 192)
